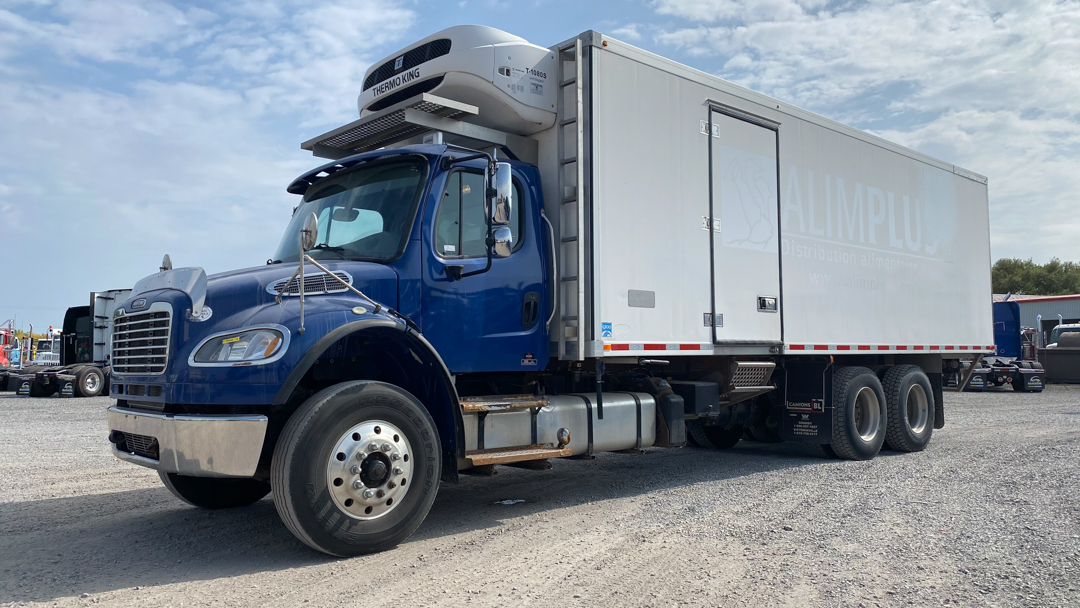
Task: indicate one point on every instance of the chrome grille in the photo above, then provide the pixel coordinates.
(314, 284)
(141, 445)
(141, 342)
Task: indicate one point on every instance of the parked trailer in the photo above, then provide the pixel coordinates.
(80, 364)
(520, 253)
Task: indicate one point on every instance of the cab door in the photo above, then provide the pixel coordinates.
(744, 226)
(493, 321)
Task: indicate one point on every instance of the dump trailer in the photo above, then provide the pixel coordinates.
(80, 360)
(520, 253)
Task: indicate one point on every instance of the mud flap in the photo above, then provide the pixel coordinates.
(807, 408)
(939, 399)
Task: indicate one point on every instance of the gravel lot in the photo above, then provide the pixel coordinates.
(988, 515)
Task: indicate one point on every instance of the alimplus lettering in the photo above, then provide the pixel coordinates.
(392, 83)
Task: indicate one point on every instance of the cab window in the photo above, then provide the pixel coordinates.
(460, 225)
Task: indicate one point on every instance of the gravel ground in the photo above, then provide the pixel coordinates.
(988, 515)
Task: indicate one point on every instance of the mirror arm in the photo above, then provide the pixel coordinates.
(490, 245)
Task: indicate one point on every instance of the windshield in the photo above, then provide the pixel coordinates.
(364, 214)
(1054, 335)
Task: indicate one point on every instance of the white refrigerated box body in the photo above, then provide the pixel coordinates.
(719, 219)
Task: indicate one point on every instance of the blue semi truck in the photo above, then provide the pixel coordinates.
(519, 253)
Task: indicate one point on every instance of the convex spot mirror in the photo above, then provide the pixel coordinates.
(504, 195)
(502, 242)
(309, 233)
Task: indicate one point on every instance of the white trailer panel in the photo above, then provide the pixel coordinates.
(866, 245)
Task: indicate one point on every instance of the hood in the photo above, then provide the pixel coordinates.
(252, 288)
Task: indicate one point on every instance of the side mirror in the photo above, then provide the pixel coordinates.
(503, 242)
(309, 233)
(504, 195)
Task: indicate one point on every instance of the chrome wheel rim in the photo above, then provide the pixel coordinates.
(867, 414)
(918, 408)
(91, 382)
(369, 471)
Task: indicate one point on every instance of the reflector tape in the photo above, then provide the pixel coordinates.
(888, 347)
(676, 347)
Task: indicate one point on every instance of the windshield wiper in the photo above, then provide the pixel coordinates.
(337, 250)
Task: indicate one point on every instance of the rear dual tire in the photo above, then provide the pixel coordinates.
(911, 408)
(859, 414)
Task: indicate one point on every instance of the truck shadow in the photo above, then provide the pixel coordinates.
(104, 542)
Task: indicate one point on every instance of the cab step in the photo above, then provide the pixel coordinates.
(515, 454)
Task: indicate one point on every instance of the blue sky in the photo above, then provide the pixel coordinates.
(139, 127)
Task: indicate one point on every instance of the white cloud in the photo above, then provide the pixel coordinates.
(189, 153)
(742, 10)
(627, 32)
(990, 85)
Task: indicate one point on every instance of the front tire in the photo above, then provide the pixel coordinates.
(910, 408)
(356, 468)
(214, 492)
(859, 414)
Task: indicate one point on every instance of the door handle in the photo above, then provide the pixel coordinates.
(530, 309)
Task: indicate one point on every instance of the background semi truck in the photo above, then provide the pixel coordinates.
(1014, 361)
(78, 363)
(520, 253)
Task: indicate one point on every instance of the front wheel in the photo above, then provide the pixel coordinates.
(356, 468)
(214, 492)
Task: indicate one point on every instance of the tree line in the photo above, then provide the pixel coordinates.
(1054, 278)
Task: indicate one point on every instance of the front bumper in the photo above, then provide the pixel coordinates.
(200, 446)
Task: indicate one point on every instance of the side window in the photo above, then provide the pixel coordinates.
(448, 221)
(460, 226)
(473, 224)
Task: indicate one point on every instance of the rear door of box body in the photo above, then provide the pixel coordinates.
(744, 229)
(667, 271)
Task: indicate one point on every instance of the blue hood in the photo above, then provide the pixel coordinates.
(240, 299)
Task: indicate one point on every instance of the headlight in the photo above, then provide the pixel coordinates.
(251, 345)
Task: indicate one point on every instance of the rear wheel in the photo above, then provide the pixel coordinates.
(859, 414)
(723, 439)
(714, 437)
(910, 409)
(214, 492)
(693, 432)
(356, 468)
(89, 382)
